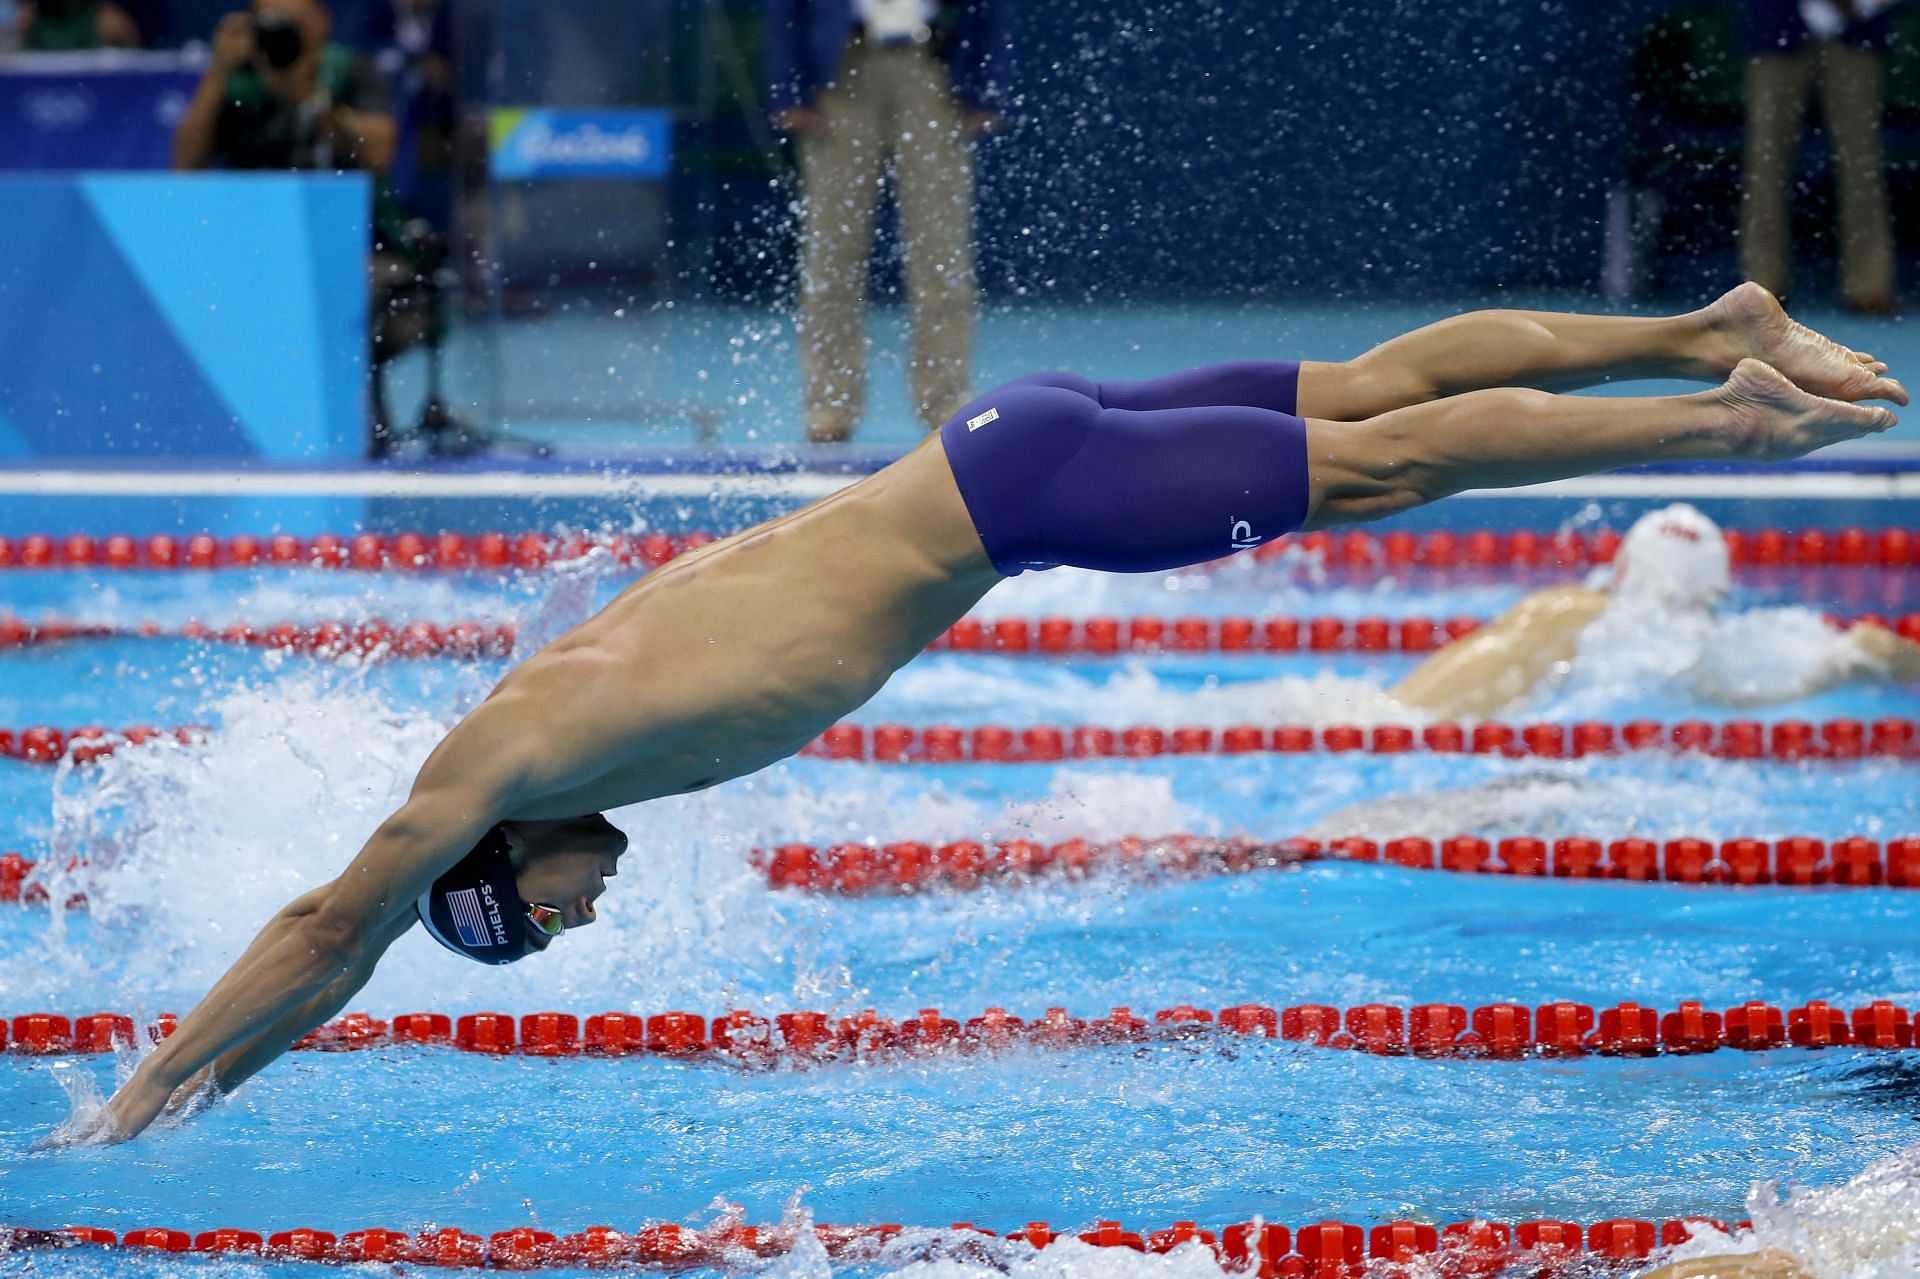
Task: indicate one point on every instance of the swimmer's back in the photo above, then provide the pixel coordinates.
(1490, 669)
(738, 654)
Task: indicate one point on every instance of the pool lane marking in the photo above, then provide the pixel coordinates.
(1891, 738)
(1784, 741)
(906, 867)
(1261, 1249)
(1498, 1031)
(1474, 551)
(1092, 637)
(807, 486)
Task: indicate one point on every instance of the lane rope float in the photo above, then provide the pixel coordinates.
(89, 743)
(911, 866)
(1892, 737)
(1502, 1032)
(1327, 1249)
(372, 639)
(1784, 741)
(1351, 552)
(1097, 637)
(1114, 636)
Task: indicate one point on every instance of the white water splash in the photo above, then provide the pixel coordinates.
(1548, 802)
(1867, 1228)
(1638, 650)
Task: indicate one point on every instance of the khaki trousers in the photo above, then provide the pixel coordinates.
(1850, 80)
(887, 109)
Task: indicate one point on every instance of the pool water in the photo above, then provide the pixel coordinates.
(190, 848)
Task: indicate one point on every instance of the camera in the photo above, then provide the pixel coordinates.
(279, 39)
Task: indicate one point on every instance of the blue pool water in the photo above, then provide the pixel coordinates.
(192, 848)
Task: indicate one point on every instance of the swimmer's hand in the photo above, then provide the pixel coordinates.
(96, 1129)
(138, 1103)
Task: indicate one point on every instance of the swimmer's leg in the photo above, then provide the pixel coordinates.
(1549, 351)
(1510, 437)
(1273, 385)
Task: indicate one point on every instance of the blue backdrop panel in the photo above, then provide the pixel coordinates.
(92, 111)
(184, 315)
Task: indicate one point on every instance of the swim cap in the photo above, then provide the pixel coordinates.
(1674, 556)
(476, 909)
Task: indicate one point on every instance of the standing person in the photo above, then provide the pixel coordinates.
(65, 26)
(864, 87)
(1846, 57)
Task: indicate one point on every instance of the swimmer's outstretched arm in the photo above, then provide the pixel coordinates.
(1510, 437)
(1483, 673)
(320, 944)
(239, 1065)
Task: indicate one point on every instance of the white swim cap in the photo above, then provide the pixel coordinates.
(1675, 557)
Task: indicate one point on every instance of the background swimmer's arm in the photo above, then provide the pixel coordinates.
(1483, 673)
(469, 782)
(1865, 651)
(1897, 655)
(1771, 1264)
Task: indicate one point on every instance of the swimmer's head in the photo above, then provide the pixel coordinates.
(523, 884)
(1674, 557)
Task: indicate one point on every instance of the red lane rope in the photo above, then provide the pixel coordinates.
(1110, 636)
(43, 744)
(372, 639)
(904, 867)
(1088, 637)
(366, 552)
(1785, 740)
(851, 870)
(1327, 1249)
(1351, 551)
(1505, 1032)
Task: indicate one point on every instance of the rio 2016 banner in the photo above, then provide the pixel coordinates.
(541, 144)
(183, 315)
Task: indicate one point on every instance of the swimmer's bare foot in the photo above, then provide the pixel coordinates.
(1770, 419)
(1748, 322)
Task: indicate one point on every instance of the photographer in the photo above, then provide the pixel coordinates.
(277, 95)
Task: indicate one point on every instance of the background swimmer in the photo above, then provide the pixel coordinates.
(737, 655)
(1670, 578)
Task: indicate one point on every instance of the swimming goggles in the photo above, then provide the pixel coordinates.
(550, 920)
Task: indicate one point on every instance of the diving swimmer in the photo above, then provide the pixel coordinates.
(735, 656)
(1671, 575)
